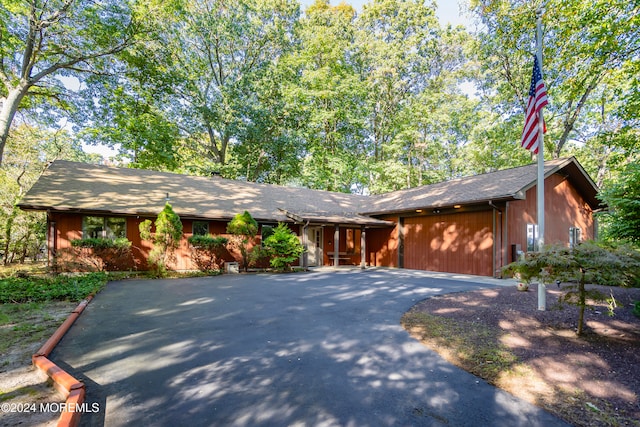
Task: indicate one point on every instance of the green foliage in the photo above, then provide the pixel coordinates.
(243, 228)
(208, 241)
(165, 238)
(588, 262)
(243, 225)
(284, 246)
(101, 243)
(623, 199)
(40, 43)
(59, 288)
(636, 308)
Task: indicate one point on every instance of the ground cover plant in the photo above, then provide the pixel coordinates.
(41, 289)
(32, 307)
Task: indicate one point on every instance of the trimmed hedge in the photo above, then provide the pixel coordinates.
(100, 243)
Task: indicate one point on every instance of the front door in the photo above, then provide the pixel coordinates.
(314, 246)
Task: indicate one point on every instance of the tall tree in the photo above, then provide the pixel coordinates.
(41, 42)
(327, 97)
(219, 51)
(587, 46)
(418, 118)
(28, 152)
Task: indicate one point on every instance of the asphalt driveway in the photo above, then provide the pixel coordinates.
(323, 348)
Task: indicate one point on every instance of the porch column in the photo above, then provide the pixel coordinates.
(336, 246)
(363, 247)
(305, 245)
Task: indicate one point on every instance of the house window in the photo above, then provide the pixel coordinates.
(532, 237)
(100, 227)
(575, 236)
(200, 228)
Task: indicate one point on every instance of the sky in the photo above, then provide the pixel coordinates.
(448, 12)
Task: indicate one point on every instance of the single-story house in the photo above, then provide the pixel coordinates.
(472, 225)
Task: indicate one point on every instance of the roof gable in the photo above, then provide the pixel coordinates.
(506, 184)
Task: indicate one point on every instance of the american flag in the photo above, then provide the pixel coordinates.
(537, 100)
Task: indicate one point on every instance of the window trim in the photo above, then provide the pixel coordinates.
(532, 237)
(575, 236)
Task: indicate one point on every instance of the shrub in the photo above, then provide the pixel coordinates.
(101, 243)
(206, 251)
(166, 239)
(284, 246)
(636, 308)
(243, 228)
(588, 262)
(96, 254)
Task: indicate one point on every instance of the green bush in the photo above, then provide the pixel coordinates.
(243, 228)
(208, 242)
(165, 239)
(59, 288)
(100, 243)
(636, 308)
(284, 246)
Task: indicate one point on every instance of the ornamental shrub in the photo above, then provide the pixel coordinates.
(166, 238)
(588, 262)
(284, 246)
(243, 228)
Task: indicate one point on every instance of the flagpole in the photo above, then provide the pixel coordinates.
(542, 303)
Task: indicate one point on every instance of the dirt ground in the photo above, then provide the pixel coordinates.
(590, 380)
(22, 388)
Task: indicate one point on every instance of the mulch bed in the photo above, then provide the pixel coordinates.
(575, 377)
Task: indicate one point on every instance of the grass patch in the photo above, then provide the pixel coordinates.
(472, 346)
(28, 325)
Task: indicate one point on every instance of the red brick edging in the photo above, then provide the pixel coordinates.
(68, 386)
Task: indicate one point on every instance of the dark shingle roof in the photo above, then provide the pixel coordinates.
(82, 187)
(72, 186)
(507, 184)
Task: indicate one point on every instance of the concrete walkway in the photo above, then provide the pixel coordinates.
(323, 348)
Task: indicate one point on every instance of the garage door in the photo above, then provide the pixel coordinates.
(453, 243)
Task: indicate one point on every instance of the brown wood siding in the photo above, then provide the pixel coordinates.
(564, 208)
(382, 246)
(455, 243)
(69, 227)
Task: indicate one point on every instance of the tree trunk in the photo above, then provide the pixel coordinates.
(7, 113)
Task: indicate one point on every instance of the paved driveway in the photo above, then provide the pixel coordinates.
(320, 349)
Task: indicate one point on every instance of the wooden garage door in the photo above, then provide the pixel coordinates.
(454, 243)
